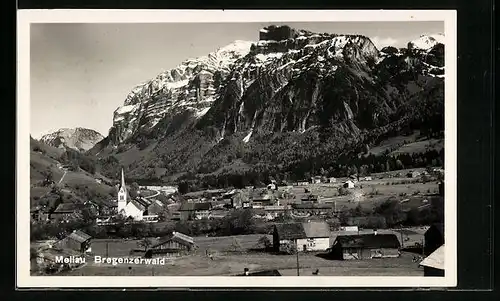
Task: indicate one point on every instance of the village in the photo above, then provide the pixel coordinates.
(319, 226)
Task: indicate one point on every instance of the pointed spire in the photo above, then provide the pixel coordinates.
(123, 181)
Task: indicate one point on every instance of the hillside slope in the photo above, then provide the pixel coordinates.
(58, 175)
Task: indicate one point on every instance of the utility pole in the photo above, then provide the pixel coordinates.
(298, 266)
(402, 239)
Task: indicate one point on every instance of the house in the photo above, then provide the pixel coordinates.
(413, 174)
(175, 244)
(195, 210)
(262, 198)
(350, 229)
(365, 246)
(310, 198)
(246, 204)
(434, 263)
(65, 211)
(433, 238)
(38, 215)
(331, 180)
(315, 180)
(312, 236)
(349, 184)
(272, 186)
(78, 241)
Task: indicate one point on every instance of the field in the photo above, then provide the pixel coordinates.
(370, 193)
(228, 261)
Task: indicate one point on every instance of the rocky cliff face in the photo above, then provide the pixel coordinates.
(276, 102)
(80, 139)
(192, 86)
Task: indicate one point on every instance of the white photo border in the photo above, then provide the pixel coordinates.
(26, 17)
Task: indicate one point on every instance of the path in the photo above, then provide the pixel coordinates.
(152, 196)
(62, 178)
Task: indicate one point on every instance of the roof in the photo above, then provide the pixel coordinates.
(144, 202)
(312, 206)
(177, 237)
(66, 208)
(138, 205)
(368, 241)
(435, 260)
(316, 229)
(264, 273)
(290, 230)
(187, 206)
(302, 230)
(79, 236)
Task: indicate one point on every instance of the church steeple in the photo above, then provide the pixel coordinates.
(122, 185)
(122, 194)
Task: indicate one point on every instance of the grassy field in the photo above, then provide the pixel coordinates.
(228, 261)
(368, 194)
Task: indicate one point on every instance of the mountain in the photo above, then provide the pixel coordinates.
(427, 42)
(191, 87)
(291, 103)
(81, 139)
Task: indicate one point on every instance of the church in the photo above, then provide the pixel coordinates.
(138, 209)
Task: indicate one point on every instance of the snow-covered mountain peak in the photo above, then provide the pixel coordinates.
(426, 42)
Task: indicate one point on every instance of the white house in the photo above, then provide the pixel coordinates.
(305, 237)
(348, 184)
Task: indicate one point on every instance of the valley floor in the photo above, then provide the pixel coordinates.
(226, 262)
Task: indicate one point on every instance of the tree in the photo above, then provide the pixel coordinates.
(145, 243)
(183, 187)
(264, 242)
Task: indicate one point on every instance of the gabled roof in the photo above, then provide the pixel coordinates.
(368, 241)
(79, 236)
(435, 260)
(188, 206)
(144, 202)
(177, 237)
(290, 230)
(316, 229)
(66, 208)
(138, 205)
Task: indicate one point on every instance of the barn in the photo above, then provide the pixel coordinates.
(175, 244)
(365, 246)
(434, 263)
(306, 237)
(77, 241)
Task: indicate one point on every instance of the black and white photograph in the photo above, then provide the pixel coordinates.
(215, 144)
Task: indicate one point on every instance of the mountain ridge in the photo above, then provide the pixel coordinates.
(295, 95)
(79, 138)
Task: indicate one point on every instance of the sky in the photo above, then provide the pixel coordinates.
(81, 73)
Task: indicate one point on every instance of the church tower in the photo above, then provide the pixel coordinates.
(122, 195)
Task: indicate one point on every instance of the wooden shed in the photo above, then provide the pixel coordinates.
(365, 246)
(175, 244)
